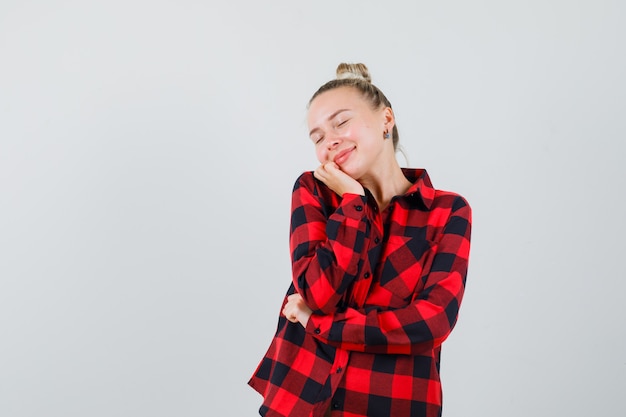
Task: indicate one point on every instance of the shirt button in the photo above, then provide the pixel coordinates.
(339, 370)
(318, 331)
(366, 275)
(358, 208)
(335, 405)
(376, 240)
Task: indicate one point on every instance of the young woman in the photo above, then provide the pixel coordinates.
(379, 265)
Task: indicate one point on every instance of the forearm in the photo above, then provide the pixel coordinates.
(326, 251)
(418, 327)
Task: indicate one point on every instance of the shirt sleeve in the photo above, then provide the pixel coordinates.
(423, 324)
(325, 246)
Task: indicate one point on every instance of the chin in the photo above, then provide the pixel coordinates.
(354, 173)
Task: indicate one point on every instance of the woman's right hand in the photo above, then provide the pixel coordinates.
(296, 310)
(337, 180)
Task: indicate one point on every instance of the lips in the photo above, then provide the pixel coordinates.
(342, 156)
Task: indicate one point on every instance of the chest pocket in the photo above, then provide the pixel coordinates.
(405, 265)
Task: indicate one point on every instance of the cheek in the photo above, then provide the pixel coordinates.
(321, 154)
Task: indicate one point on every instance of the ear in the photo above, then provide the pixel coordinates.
(389, 120)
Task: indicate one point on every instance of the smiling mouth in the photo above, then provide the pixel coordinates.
(343, 155)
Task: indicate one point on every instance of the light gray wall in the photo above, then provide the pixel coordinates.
(147, 155)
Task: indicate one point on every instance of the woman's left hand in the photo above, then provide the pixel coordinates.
(296, 310)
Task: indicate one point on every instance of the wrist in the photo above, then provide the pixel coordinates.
(357, 190)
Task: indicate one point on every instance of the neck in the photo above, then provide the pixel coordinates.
(386, 183)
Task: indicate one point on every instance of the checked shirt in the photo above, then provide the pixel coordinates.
(385, 289)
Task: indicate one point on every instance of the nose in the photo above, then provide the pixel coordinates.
(332, 143)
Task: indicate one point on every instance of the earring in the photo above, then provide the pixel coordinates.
(386, 134)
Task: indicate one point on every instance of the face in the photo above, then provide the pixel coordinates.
(346, 130)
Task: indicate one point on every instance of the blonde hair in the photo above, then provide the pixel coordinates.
(357, 76)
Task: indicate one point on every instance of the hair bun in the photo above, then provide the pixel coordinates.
(357, 71)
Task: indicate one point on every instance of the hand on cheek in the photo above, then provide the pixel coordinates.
(337, 180)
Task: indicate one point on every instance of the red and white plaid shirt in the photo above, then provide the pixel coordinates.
(385, 290)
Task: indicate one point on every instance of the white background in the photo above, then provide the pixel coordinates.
(147, 155)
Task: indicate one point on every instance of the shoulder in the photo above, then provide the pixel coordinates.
(309, 190)
(306, 179)
(453, 210)
(450, 199)
(306, 182)
(434, 199)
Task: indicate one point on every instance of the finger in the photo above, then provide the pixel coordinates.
(331, 167)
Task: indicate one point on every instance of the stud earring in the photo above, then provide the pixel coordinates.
(386, 134)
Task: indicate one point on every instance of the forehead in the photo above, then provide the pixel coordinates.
(330, 101)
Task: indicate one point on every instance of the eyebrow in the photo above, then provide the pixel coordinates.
(331, 117)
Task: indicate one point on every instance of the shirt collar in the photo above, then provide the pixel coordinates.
(422, 188)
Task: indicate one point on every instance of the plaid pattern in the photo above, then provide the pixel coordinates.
(385, 290)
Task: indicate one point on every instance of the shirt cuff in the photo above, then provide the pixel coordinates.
(353, 205)
(318, 325)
